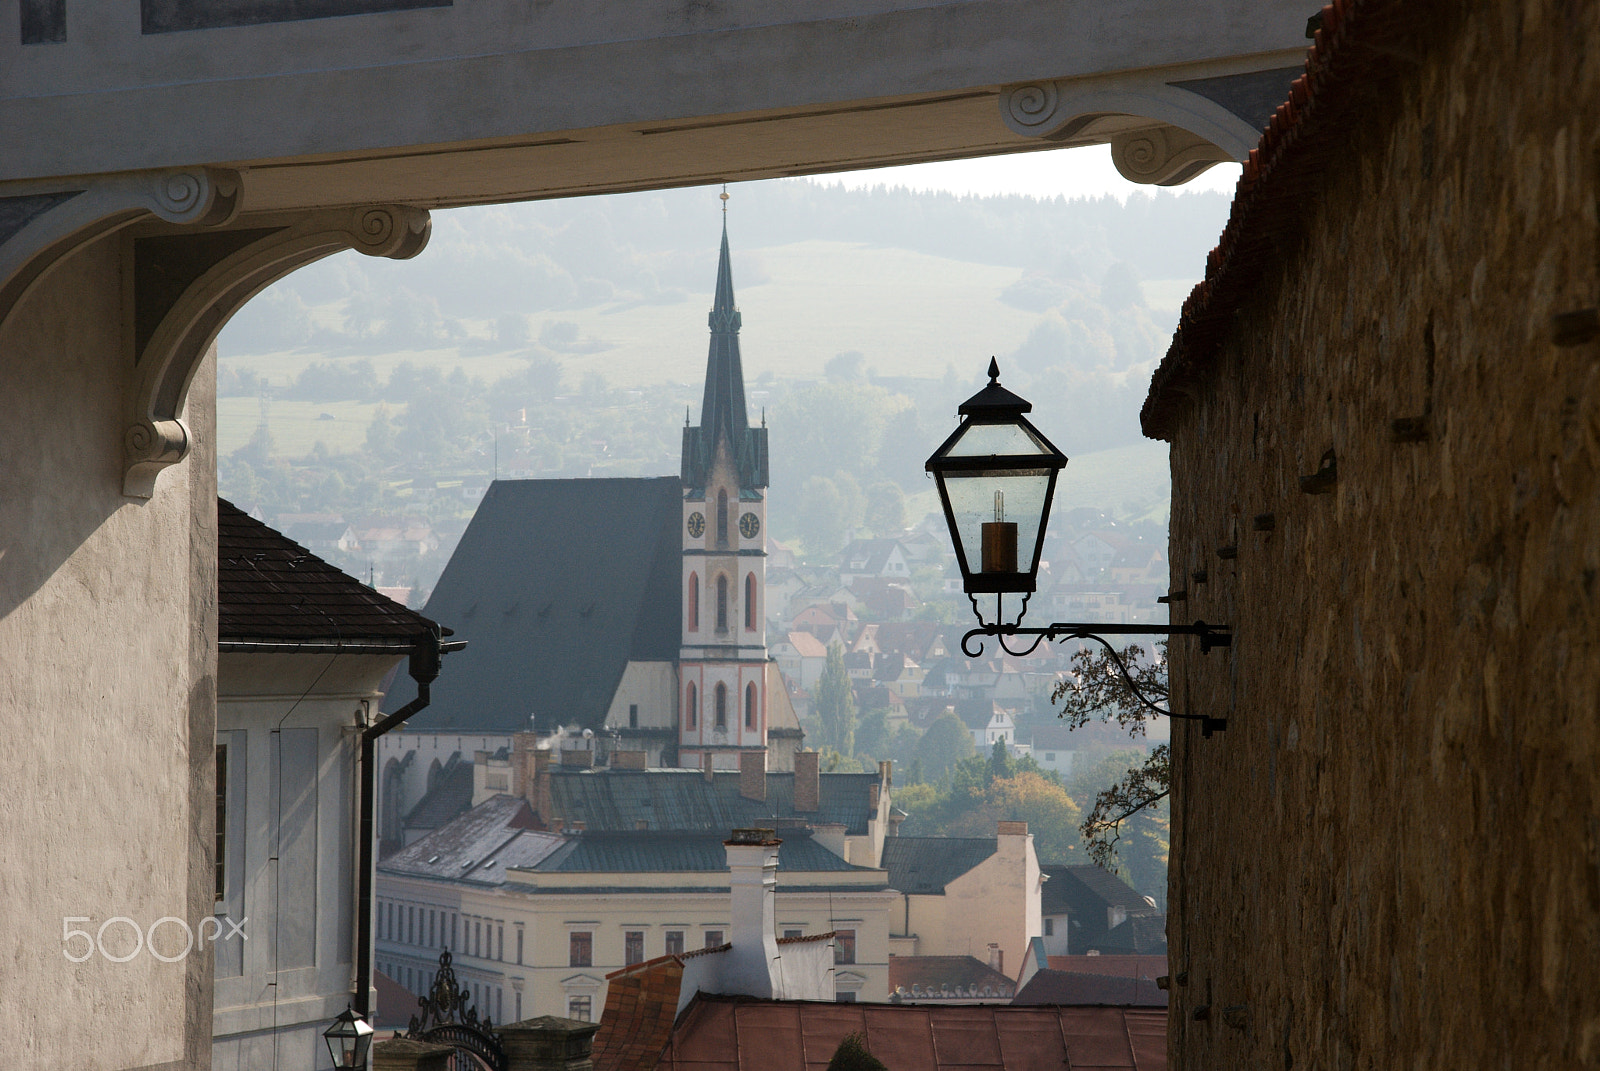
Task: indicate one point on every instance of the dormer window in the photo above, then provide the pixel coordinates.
(722, 518)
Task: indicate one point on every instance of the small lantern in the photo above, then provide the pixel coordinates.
(996, 476)
(348, 1039)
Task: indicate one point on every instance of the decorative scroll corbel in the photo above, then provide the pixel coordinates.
(1188, 134)
(40, 226)
(186, 286)
(1163, 156)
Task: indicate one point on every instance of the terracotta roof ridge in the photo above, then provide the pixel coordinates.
(1342, 66)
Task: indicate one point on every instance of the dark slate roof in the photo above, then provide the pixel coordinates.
(1061, 987)
(1135, 935)
(651, 851)
(722, 411)
(1087, 890)
(556, 585)
(685, 800)
(272, 590)
(925, 865)
(478, 845)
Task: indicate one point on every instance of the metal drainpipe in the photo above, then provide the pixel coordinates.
(423, 668)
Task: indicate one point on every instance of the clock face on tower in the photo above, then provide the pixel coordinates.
(697, 525)
(749, 525)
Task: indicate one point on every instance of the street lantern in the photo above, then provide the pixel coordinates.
(348, 1039)
(997, 475)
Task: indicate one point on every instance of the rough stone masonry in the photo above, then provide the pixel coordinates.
(1391, 857)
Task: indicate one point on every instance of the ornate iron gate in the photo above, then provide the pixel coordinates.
(446, 1020)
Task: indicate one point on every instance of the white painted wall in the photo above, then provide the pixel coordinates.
(107, 692)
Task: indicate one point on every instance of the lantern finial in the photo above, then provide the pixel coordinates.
(994, 372)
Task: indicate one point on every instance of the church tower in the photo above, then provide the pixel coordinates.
(723, 679)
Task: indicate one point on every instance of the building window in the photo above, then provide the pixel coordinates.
(844, 997)
(519, 949)
(722, 518)
(500, 941)
(1049, 756)
(632, 947)
(750, 601)
(633, 715)
(674, 942)
(477, 939)
(579, 1008)
(750, 706)
(580, 949)
(411, 925)
(713, 938)
(722, 705)
(694, 602)
(791, 933)
(519, 1005)
(844, 946)
(1049, 927)
(694, 707)
(722, 604)
(222, 821)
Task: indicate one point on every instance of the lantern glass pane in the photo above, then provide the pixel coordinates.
(972, 502)
(982, 440)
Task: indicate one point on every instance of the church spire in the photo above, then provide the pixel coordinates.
(722, 409)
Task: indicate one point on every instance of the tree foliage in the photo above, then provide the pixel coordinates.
(1097, 689)
(944, 743)
(836, 704)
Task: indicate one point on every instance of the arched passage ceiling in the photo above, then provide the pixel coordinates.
(322, 103)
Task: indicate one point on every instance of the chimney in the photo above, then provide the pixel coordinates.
(540, 796)
(1012, 829)
(522, 747)
(705, 764)
(753, 775)
(872, 796)
(629, 760)
(577, 757)
(886, 773)
(997, 958)
(753, 888)
(807, 785)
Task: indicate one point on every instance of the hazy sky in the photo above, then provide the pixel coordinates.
(1086, 172)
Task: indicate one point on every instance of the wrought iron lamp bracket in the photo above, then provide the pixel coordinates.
(1210, 636)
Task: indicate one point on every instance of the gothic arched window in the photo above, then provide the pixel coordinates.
(722, 604)
(750, 601)
(722, 705)
(722, 518)
(750, 705)
(692, 707)
(694, 602)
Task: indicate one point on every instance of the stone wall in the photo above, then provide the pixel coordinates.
(1391, 857)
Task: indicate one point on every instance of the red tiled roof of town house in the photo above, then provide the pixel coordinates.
(1110, 966)
(744, 1034)
(636, 1023)
(1358, 49)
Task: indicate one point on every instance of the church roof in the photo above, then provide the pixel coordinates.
(685, 800)
(556, 585)
(722, 409)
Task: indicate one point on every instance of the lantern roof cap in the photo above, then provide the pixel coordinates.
(994, 401)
